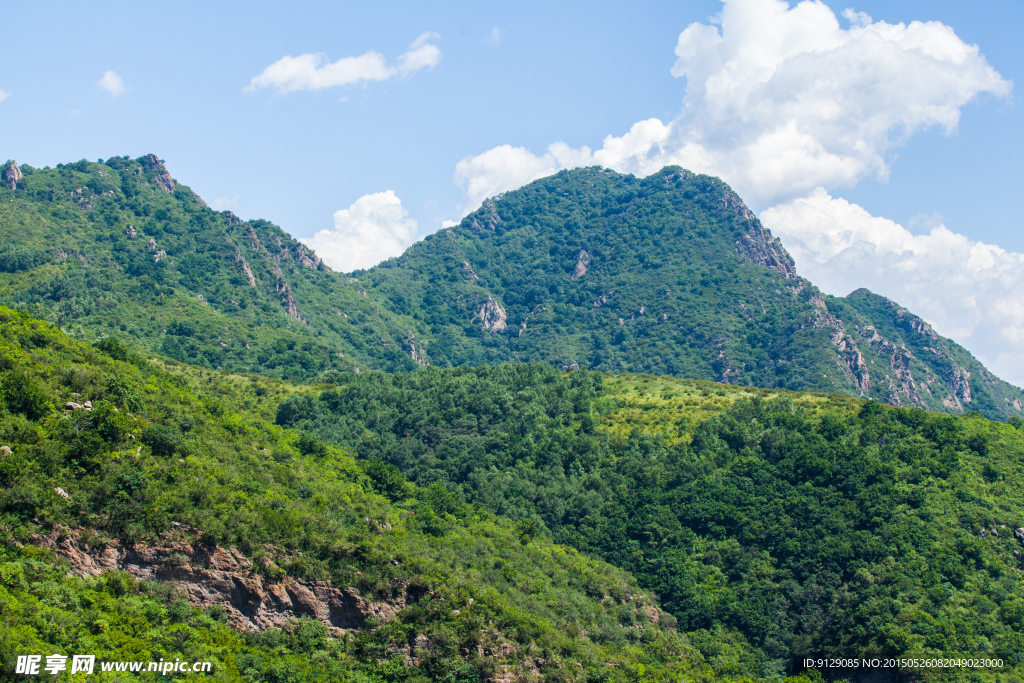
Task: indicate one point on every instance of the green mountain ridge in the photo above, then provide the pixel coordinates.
(497, 520)
(669, 274)
(121, 249)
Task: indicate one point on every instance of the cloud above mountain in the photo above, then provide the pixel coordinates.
(375, 227)
(780, 101)
(313, 71)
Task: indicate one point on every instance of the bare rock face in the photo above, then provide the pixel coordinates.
(582, 263)
(224, 576)
(306, 256)
(853, 364)
(288, 300)
(161, 177)
(11, 175)
(763, 248)
(492, 316)
(492, 218)
(418, 354)
(246, 269)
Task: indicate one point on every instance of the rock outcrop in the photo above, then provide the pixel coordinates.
(417, 353)
(158, 173)
(852, 360)
(763, 248)
(492, 316)
(11, 175)
(582, 263)
(209, 576)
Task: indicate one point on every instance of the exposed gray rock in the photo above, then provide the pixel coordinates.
(11, 175)
(492, 316)
(159, 174)
(761, 247)
(582, 263)
(224, 576)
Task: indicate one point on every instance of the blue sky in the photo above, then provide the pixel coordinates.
(384, 159)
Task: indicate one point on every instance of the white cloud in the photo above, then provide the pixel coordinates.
(226, 202)
(112, 84)
(782, 100)
(312, 71)
(967, 290)
(376, 227)
(4, 95)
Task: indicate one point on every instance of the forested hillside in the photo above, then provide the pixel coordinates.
(773, 526)
(148, 511)
(119, 248)
(669, 274)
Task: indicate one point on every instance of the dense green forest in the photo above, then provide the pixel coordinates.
(153, 461)
(669, 274)
(781, 525)
(212, 447)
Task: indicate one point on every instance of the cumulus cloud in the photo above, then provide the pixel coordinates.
(312, 71)
(781, 100)
(967, 290)
(112, 84)
(376, 227)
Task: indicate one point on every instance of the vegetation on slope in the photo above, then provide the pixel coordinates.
(119, 248)
(669, 274)
(772, 526)
(169, 453)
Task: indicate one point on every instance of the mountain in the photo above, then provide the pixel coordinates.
(122, 249)
(670, 274)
